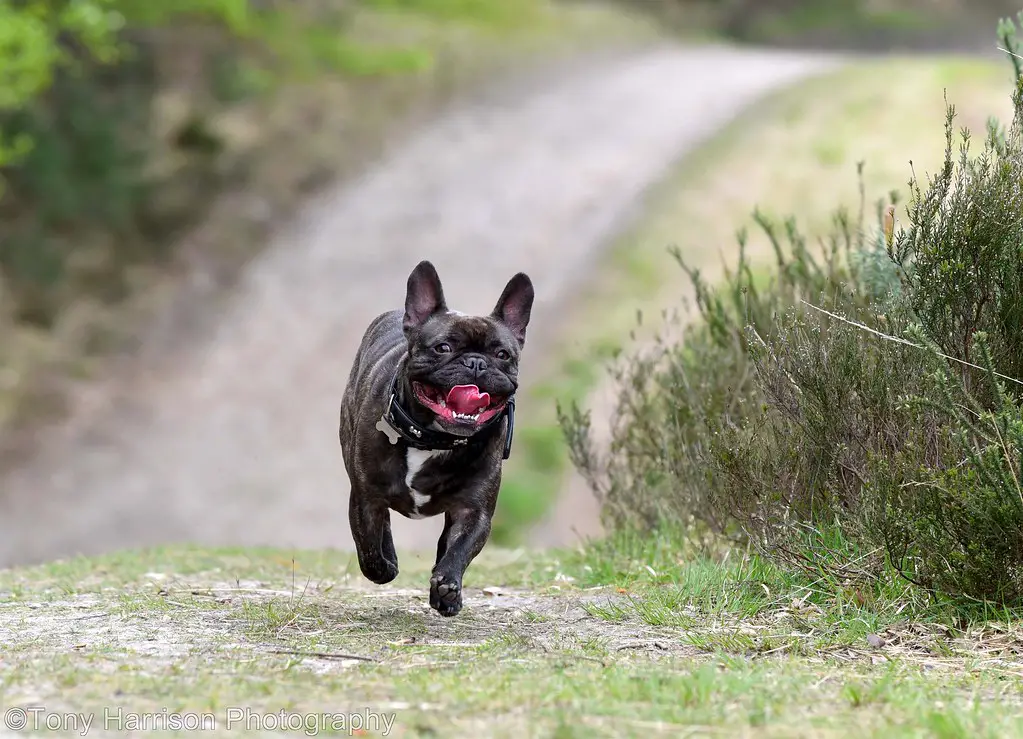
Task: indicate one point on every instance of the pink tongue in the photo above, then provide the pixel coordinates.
(467, 399)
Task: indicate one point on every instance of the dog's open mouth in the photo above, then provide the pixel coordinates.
(462, 404)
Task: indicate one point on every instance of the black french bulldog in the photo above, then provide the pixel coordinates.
(426, 421)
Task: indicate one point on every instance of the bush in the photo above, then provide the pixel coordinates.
(858, 415)
(956, 525)
(75, 143)
(92, 184)
(681, 396)
(961, 253)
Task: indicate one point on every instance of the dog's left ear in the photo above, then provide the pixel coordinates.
(515, 304)
(423, 297)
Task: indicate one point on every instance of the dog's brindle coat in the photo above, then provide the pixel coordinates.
(436, 348)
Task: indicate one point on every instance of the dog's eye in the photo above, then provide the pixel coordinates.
(502, 355)
(442, 348)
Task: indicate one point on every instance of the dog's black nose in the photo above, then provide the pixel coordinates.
(477, 364)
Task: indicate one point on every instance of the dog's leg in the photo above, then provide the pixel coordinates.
(465, 533)
(371, 530)
(387, 543)
(442, 542)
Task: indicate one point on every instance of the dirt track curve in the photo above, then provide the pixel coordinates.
(234, 441)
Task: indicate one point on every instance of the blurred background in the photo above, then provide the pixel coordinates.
(204, 202)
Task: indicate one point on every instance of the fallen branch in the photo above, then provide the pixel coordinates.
(323, 655)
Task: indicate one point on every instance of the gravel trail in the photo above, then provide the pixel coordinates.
(234, 440)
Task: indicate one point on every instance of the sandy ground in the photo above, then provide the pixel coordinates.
(233, 439)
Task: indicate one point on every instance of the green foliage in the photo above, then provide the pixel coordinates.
(859, 414)
(88, 189)
(31, 50)
(40, 39)
(481, 11)
(956, 524)
(678, 399)
(965, 235)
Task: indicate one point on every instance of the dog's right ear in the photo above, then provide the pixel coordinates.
(423, 297)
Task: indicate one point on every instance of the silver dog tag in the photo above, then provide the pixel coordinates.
(388, 430)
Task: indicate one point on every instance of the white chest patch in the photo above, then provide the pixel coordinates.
(416, 458)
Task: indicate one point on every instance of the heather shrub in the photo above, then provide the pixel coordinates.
(955, 523)
(860, 415)
(679, 397)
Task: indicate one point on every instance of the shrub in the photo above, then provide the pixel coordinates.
(962, 253)
(956, 525)
(678, 398)
(862, 413)
(75, 143)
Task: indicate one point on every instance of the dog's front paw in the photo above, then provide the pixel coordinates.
(380, 571)
(445, 595)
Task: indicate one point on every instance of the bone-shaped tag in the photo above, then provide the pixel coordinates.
(388, 430)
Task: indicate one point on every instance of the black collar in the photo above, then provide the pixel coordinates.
(396, 422)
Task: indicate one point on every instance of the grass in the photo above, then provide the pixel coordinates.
(847, 23)
(624, 638)
(844, 19)
(795, 153)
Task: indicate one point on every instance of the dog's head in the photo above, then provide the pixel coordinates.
(462, 369)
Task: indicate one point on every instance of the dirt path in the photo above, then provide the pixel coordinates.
(234, 440)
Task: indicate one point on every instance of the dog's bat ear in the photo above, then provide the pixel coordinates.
(514, 305)
(423, 297)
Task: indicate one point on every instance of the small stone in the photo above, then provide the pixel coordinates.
(875, 641)
(493, 590)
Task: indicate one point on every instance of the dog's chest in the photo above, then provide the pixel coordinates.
(415, 459)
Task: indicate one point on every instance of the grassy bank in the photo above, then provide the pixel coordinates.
(794, 153)
(850, 24)
(624, 639)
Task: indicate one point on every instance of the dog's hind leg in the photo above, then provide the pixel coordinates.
(442, 542)
(371, 530)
